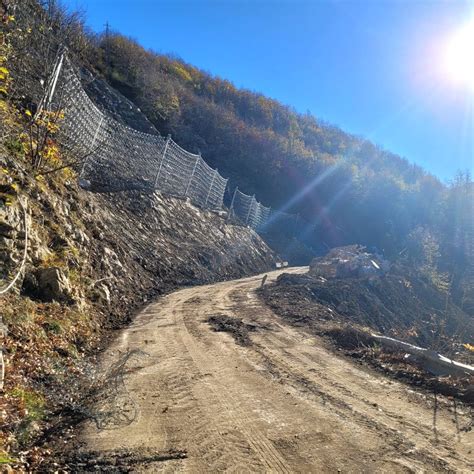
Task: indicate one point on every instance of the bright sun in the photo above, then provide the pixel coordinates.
(459, 56)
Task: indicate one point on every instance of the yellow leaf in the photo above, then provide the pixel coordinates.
(27, 112)
(4, 70)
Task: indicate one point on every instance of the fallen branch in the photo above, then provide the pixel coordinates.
(430, 360)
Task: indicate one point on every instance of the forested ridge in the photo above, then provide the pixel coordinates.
(351, 190)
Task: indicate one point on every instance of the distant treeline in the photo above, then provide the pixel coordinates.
(352, 190)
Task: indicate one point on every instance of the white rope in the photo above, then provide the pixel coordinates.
(2, 370)
(25, 252)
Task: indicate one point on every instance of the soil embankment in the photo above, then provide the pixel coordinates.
(397, 304)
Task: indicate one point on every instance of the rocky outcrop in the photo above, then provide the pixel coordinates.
(12, 233)
(145, 244)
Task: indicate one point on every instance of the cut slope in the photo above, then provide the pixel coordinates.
(92, 260)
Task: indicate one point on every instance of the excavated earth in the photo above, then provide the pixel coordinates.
(399, 304)
(220, 382)
(158, 243)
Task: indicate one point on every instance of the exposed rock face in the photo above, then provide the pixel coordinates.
(6, 230)
(118, 250)
(53, 284)
(144, 244)
(11, 231)
(48, 284)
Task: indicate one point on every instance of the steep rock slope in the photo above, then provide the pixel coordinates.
(92, 260)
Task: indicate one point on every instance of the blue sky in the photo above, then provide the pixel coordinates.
(372, 67)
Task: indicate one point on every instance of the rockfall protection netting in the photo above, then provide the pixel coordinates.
(249, 210)
(116, 157)
(264, 219)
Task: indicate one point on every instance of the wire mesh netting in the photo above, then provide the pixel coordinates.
(117, 157)
(250, 212)
(114, 156)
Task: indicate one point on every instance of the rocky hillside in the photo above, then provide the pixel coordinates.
(92, 260)
(82, 263)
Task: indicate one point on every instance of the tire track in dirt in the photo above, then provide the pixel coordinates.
(285, 403)
(298, 369)
(259, 443)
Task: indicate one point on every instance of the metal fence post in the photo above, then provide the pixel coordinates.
(192, 174)
(210, 187)
(48, 97)
(231, 208)
(157, 177)
(250, 210)
(55, 81)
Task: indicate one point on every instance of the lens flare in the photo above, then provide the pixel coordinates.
(459, 56)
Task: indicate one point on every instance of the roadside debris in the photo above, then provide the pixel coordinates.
(351, 261)
(234, 326)
(429, 360)
(366, 312)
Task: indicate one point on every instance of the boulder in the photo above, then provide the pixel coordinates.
(47, 284)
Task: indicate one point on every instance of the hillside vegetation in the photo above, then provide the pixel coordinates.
(352, 190)
(349, 189)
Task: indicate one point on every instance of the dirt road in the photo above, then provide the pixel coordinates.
(282, 403)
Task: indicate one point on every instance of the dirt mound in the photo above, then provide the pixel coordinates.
(395, 304)
(399, 304)
(349, 261)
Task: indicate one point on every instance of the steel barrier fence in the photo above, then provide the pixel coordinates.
(117, 157)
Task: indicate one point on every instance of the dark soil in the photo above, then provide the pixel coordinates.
(115, 461)
(234, 326)
(346, 311)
